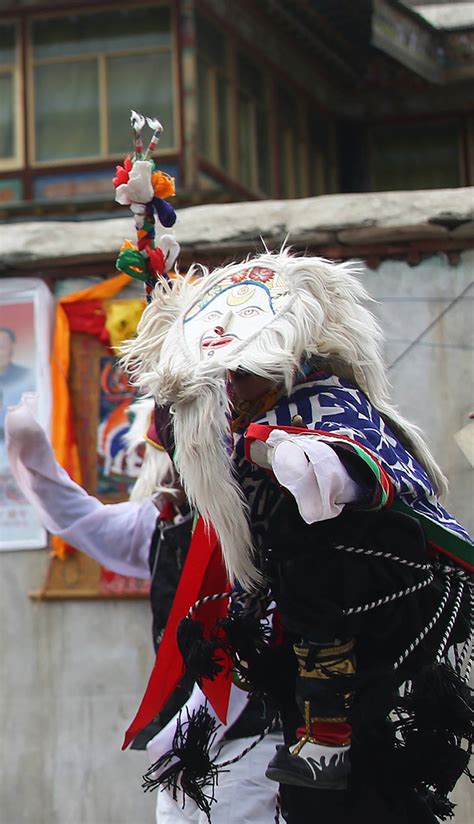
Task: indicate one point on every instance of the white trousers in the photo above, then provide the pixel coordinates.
(243, 795)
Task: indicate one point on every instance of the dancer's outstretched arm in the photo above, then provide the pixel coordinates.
(116, 535)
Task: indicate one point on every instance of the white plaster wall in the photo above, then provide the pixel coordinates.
(427, 313)
(71, 677)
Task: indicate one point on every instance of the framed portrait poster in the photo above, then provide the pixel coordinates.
(26, 317)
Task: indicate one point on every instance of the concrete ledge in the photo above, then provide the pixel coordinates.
(352, 219)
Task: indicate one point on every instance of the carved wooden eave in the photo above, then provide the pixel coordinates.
(440, 56)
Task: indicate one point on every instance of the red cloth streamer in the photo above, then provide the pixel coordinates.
(88, 316)
(203, 574)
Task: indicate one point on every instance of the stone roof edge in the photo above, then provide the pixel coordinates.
(376, 218)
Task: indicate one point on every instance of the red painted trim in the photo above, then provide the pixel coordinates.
(435, 549)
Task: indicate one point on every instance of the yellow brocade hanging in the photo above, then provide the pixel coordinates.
(121, 319)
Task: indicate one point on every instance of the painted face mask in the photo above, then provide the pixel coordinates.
(233, 312)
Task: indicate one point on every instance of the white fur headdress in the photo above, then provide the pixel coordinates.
(156, 473)
(318, 310)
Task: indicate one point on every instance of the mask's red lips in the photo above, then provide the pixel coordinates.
(216, 343)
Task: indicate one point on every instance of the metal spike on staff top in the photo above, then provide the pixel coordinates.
(154, 124)
(137, 122)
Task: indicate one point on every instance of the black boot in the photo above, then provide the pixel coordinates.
(320, 758)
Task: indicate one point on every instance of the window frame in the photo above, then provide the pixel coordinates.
(17, 160)
(263, 106)
(273, 80)
(225, 72)
(101, 58)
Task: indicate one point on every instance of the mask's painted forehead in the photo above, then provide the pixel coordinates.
(240, 286)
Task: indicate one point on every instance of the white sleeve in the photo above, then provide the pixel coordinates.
(314, 475)
(162, 742)
(117, 535)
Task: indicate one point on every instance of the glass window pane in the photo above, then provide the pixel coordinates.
(144, 83)
(7, 123)
(246, 137)
(223, 121)
(319, 153)
(250, 78)
(101, 32)
(470, 146)
(410, 156)
(263, 153)
(287, 143)
(7, 43)
(211, 42)
(67, 111)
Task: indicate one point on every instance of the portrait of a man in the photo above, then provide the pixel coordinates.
(14, 378)
(25, 333)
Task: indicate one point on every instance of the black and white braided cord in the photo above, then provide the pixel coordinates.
(269, 728)
(219, 596)
(424, 632)
(466, 655)
(402, 593)
(277, 808)
(389, 556)
(394, 596)
(451, 622)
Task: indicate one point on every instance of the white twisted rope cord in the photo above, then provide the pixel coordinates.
(451, 622)
(219, 596)
(467, 674)
(379, 554)
(388, 598)
(417, 641)
(251, 746)
(277, 809)
(466, 655)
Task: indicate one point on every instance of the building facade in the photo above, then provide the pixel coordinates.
(259, 100)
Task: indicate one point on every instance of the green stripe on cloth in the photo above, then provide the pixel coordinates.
(377, 470)
(440, 537)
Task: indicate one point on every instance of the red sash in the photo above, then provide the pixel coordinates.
(203, 574)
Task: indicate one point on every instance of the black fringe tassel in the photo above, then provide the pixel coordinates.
(439, 805)
(263, 668)
(436, 734)
(441, 700)
(199, 654)
(187, 767)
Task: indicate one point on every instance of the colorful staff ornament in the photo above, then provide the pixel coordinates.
(140, 185)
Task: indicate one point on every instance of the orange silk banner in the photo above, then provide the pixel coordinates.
(63, 439)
